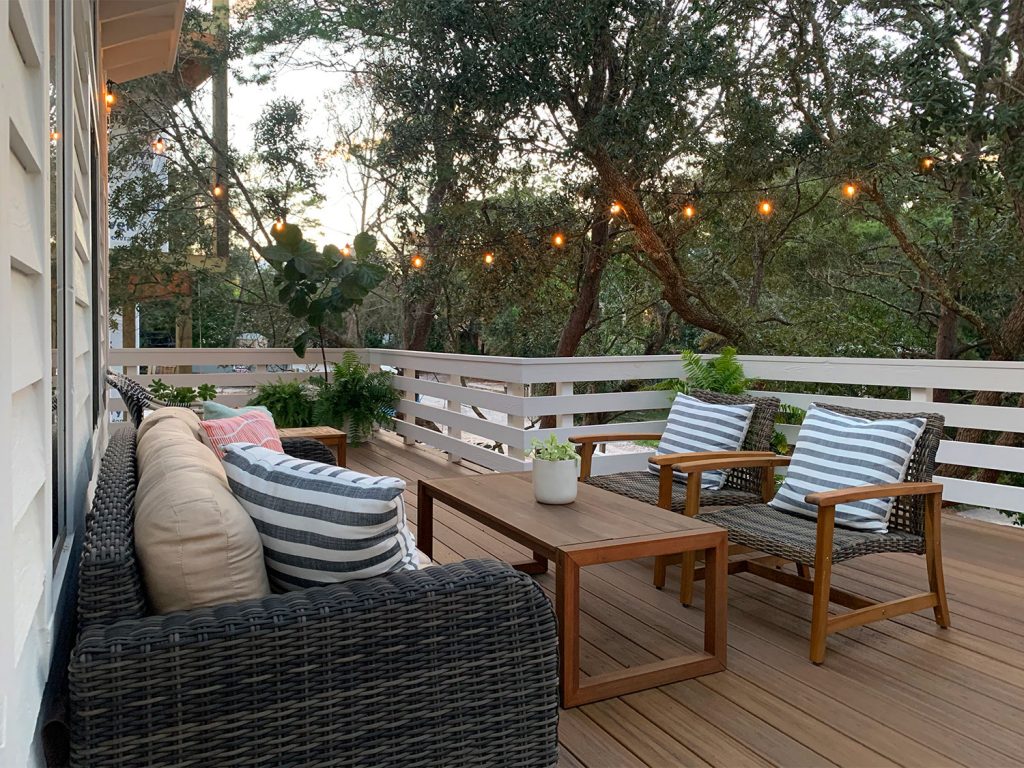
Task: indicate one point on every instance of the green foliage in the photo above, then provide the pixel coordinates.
(317, 285)
(552, 449)
(161, 390)
(290, 402)
(355, 400)
(723, 373)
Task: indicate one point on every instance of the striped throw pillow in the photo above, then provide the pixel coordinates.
(836, 451)
(320, 524)
(694, 425)
(256, 427)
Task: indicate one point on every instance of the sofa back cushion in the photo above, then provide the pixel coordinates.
(196, 545)
(213, 410)
(321, 524)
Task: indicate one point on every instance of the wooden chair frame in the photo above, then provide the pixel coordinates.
(819, 585)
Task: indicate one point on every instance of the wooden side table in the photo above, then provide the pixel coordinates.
(333, 438)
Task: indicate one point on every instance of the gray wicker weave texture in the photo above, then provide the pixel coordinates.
(768, 530)
(742, 486)
(455, 665)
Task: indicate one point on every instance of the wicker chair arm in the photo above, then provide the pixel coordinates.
(862, 492)
(453, 665)
(614, 438)
(307, 448)
(706, 456)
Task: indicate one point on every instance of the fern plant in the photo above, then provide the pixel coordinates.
(290, 402)
(719, 374)
(183, 396)
(355, 400)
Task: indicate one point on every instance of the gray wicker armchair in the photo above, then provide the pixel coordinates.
(743, 484)
(453, 665)
(914, 527)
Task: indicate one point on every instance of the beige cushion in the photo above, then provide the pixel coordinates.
(196, 545)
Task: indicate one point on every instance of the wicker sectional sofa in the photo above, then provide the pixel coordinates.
(452, 665)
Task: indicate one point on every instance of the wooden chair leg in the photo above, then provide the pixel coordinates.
(803, 571)
(822, 583)
(933, 555)
(686, 578)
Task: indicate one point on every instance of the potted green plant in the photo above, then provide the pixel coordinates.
(555, 471)
(355, 399)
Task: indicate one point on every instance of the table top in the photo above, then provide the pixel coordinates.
(313, 432)
(504, 501)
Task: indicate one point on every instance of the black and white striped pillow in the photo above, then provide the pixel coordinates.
(320, 524)
(836, 451)
(694, 425)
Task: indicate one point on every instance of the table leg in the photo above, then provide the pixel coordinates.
(424, 521)
(342, 451)
(716, 621)
(567, 612)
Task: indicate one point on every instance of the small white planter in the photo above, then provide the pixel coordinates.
(554, 482)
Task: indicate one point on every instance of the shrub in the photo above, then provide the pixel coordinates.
(290, 402)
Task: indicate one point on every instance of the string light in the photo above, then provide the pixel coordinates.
(765, 207)
(54, 137)
(926, 164)
(615, 208)
(689, 210)
(558, 240)
(159, 146)
(488, 258)
(278, 224)
(218, 190)
(418, 261)
(346, 251)
(109, 97)
(850, 190)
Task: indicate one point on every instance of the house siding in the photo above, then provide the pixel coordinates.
(36, 574)
(25, 379)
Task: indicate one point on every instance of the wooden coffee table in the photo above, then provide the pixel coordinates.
(599, 527)
(329, 436)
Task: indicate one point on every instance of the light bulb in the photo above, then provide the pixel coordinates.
(418, 261)
(346, 251)
(159, 146)
(218, 190)
(765, 207)
(689, 211)
(54, 136)
(279, 225)
(488, 258)
(850, 190)
(615, 208)
(558, 239)
(927, 164)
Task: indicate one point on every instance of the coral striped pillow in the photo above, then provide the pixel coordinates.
(254, 427)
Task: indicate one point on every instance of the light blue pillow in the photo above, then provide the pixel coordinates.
(213, 410)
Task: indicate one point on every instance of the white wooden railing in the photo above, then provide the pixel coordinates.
(487, 409)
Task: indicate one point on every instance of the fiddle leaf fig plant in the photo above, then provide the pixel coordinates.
(317, 285)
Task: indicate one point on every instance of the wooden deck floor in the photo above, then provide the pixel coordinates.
(901, 692)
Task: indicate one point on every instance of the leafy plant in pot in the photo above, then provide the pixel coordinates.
(354, 399)
(555, 471)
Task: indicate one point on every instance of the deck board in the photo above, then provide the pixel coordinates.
(901, 692)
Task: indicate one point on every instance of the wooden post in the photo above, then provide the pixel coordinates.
(408, 418)
(454, 406)
(519, 422)
(922, 394)
(564, 388)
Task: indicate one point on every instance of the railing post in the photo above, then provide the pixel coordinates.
(564, 388)
(455, 407)
(514, 420)
(922, 394)
(409, 373)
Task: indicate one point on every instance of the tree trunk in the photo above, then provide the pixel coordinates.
(589, 287)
